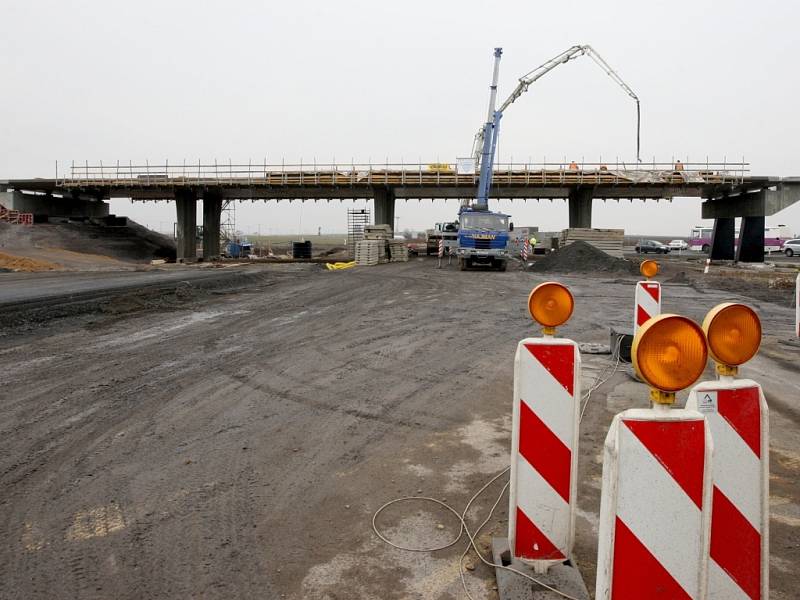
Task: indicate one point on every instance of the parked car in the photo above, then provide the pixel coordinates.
(647, 246)
(791, 247)
(678, 245)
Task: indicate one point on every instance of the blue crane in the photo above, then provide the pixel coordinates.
(486, 138)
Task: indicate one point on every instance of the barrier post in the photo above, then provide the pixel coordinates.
(544, 447)
(441, 253)
(647, 298)
(737, 414)
(656, 489)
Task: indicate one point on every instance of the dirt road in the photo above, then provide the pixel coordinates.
(236, 445)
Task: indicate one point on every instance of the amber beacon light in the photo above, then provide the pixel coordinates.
(648, 268)
(669, 352)
(550, 305)
(733, 332)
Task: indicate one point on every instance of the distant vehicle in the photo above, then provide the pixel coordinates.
(678, 245)
(791, 247)
(774, 237)
(647, 246)
(441, 231)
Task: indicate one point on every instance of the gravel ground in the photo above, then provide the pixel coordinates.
(236, 445)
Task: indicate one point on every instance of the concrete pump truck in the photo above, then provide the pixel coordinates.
(483, 235)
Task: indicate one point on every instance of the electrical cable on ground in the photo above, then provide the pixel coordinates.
(464, 528)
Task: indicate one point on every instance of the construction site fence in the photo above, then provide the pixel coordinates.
(338, 174)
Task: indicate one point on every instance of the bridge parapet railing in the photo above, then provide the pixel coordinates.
(400, 174)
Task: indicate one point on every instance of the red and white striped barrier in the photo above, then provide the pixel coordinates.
(737, 413)
(544, 450)
(655, 506)
(525, 250)
(647, 303)
(441, 248)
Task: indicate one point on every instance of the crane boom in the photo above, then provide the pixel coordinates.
(529, 78)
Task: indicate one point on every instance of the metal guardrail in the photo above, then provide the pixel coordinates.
(403, 174)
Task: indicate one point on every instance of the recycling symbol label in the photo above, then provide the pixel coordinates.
(707, 402)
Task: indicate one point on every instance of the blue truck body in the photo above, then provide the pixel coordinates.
(483, 238)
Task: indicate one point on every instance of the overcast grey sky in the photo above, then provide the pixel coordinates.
(108, 80)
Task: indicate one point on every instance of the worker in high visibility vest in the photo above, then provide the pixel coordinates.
(573, 166)
(678, 165)
(533, 244)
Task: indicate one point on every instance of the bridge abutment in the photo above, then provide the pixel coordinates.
(580, 207)
(384, 206)
(212, 211)
(44, 206)
(186, 207)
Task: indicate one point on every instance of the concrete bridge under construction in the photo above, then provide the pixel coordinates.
(728, 190)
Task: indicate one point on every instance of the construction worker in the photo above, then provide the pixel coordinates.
(573, 166)
(533, 244)
(678, 165)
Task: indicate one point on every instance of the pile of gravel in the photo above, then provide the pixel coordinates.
(580, 257)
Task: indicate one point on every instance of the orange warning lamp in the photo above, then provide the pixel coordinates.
(649, 268)
(550, 305)
(733, 332)
(669, 352)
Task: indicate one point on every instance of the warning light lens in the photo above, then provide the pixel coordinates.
(648, 268)
(733, 332)
(669, 352)
(550, 304)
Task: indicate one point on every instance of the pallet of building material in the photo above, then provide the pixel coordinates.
(607, 240)
(398, 251)
(370, 252)
(378, 232)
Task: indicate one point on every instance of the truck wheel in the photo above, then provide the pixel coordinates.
(706, 248)
(501, 266)
(462, 264)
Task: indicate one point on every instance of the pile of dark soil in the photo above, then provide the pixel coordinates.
(580, 257)
(131, 242)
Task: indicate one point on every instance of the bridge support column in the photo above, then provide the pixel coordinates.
(186, 205)
(580, 207)
(722, 240)
(384, 206)
(751, 240)
(212, 210)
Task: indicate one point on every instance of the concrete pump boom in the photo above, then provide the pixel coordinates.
(526, 80)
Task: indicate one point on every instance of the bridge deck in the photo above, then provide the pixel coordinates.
(707, 180)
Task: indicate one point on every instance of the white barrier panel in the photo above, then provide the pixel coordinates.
(737, 414)
(647, 303)
(544, 450)
(655, 506)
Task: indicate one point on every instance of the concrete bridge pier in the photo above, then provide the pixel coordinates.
(722, 239)
(751, 240)
(384, 206)
(186, 207)
(212, 211)
(580, 207)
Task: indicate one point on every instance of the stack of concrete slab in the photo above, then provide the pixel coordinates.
(377, 232)
(370, 252)
(607, 240)
(398, 251)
